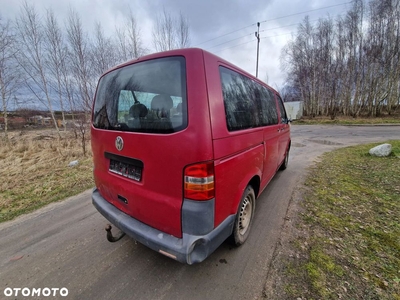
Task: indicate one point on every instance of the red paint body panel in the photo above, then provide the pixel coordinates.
(239, 156)
(230, 173)
(157, 199)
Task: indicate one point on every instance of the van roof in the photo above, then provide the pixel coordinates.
(182, 52)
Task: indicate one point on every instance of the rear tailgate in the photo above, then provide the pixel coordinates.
(153, 195)
(144, 179)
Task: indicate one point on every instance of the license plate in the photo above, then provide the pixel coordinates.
(127, 167)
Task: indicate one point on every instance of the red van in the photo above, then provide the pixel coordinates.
(183, 144)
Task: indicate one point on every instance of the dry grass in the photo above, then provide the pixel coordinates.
(342, 120)
(34, 170)
(346, 241)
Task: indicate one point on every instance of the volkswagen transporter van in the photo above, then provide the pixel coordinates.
(183, 144)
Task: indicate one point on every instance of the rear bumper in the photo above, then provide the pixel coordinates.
(193, 247)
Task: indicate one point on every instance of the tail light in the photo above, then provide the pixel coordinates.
(199, 181)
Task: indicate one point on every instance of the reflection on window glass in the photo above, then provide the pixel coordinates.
(268, 107)
(147, 97)
(282, 110)
(248, 104)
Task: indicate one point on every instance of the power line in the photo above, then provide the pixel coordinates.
(251, 34)
(261, 38)
(226, 34)
(294, 24)
(230, 41)
(252, 41)
(306, 12)
(271, 36)
(282, 17)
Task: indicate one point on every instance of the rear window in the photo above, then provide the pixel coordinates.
(149, 97)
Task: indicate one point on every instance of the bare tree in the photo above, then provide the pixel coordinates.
(31, 57)
(326, 82)
(56, 55)
(382, 56)
(103, 52)
(350, 67)
(163, 34)
(342, 74)
(122, 45)
(299, 60)
(80, 58)
(9, 77)
(170, 33)
(183, 32)
(135, 43)
(129, 39)
(354, 28)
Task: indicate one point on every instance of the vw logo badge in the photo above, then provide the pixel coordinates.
(119, 143)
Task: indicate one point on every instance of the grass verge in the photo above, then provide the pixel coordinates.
(347, 121)
(34, 171)
(348, 241)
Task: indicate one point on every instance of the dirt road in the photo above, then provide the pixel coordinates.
(63, 245)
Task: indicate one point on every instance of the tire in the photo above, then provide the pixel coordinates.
(285, 161)
(244, 217)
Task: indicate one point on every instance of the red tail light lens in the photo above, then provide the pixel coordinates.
(199, 181)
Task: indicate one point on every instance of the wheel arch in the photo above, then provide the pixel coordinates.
(245, 213)
(253, 179)
(255, 183)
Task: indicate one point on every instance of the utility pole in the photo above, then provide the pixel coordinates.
(257, 34)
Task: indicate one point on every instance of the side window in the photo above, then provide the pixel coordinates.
(248, 104)
(241, 108)
(282, 110)
(268, 107)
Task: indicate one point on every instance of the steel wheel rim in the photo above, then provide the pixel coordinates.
(246, 212)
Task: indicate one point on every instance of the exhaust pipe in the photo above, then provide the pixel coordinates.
(110, 236)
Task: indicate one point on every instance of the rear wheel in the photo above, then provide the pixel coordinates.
(244, 217)
(285, 161)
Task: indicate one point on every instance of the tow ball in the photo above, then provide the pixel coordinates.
(110, 236)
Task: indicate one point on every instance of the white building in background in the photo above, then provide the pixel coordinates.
(294, 109)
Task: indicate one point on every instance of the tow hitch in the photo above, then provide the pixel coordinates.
(112, 238)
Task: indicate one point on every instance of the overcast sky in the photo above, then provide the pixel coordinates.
(223, 27)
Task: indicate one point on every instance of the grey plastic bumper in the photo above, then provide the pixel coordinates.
(189, 249)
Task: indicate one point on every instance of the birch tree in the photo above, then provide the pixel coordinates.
(31, 57)
(134, 39)
(56, 55)
(350, 67)
(170, 33)
(9, 77)
(183, 33)
(382, 54)
(80, 59)
(103, 52)
(129, 39)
